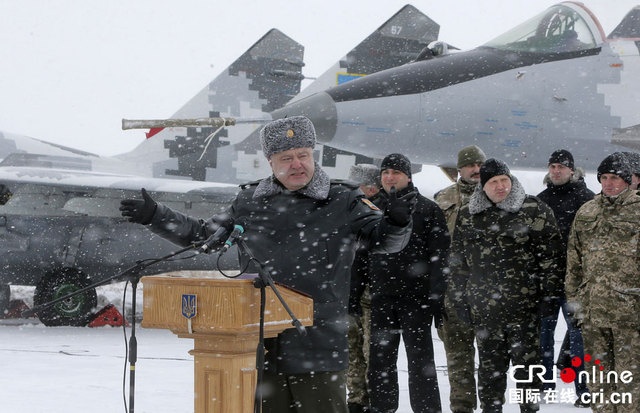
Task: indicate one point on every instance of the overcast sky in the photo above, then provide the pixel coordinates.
(72, 69)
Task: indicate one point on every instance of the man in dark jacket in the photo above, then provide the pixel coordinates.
(504, 263)
(407, 291)
(565, 194)
(303, 228)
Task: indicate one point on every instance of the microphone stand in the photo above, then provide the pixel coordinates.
(131, 274)
(262, 282)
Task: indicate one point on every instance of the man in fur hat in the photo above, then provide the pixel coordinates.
(566, 192)
(304, 228)
(504, 263)
(603, 285)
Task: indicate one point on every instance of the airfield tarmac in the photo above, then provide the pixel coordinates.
(78, 369)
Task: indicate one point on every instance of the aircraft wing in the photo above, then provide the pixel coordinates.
(101, 192)
(47, 191)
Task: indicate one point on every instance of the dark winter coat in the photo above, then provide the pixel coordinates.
(307, 240)
(505, 257)
(360, 278)
(565, 200)
(418, 270)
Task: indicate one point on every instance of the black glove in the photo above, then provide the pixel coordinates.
(399, 210)
(140, 212)
(438, 311)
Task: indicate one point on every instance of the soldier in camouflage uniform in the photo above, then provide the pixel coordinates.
(603, 282)
(504, 263)
(359, 333)
(455, 334)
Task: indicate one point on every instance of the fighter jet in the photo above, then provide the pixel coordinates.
(59, 213)
(554, 81)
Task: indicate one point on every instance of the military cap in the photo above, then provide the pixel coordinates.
(470, 154)
(287, 133)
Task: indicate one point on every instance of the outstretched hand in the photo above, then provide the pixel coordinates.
(400, 209)
(139, 211)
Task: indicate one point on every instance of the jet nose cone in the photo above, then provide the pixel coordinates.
(320, 108)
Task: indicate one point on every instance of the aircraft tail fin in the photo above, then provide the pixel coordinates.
(264, 78)
(629, 27)
(397, 41)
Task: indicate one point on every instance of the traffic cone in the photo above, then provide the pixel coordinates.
(108, 316)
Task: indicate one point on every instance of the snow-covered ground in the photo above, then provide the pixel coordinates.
(79, 369)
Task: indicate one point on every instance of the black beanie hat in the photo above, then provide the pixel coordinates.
(563, 157)
(617, 164)
(493, 167)
(397, 161)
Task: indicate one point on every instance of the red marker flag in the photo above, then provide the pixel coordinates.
(153, 131)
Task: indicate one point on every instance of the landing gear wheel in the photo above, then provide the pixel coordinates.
(74, 311)
(5, 299)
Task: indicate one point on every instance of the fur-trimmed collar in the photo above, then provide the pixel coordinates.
(512, 203)
(578, 175)
(317, 188)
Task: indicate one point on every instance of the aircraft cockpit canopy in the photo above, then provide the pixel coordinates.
(560, 28)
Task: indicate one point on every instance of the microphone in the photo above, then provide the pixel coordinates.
(213, 241)
(238, 230)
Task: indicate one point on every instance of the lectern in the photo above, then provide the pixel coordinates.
(222, 315)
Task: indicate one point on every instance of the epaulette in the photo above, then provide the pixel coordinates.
(248, 184)
(345, 182)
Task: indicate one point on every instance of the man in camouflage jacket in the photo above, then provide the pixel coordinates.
(603, 283)
(456, 335)
(504, 263)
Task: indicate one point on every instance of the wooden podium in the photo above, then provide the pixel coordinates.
(225, 330)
